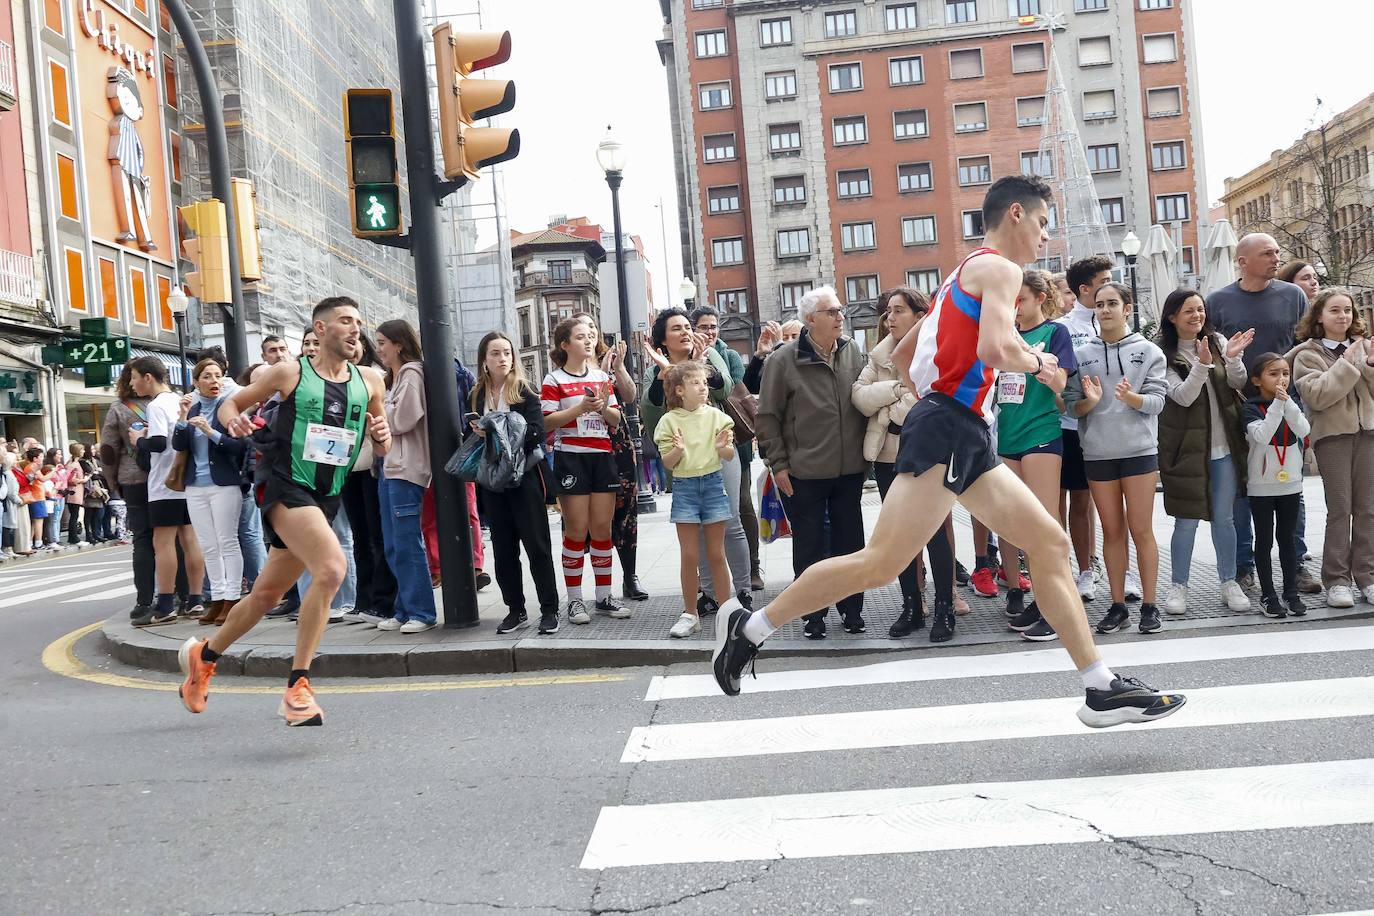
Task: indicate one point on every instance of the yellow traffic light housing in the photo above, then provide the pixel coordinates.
(467, 149)
(245, 201)
(374, 178)
(208, 251)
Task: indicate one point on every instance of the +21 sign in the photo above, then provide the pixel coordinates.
(97, 351)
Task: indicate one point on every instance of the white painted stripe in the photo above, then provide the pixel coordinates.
(45, 579)
(118, 592)
(981, 815)
(32, 571)
(1209, 706)
(28, 597)
(1290, 641)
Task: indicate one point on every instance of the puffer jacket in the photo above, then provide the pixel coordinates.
(1185, 432)
(807, 422)
(1339, 395)
(880, 395)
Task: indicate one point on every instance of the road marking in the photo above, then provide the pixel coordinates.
(33, 568)
(1209, 706)
(67, 589)
(982, 815)
(1290, 641)
(60, 658)
(119, 592)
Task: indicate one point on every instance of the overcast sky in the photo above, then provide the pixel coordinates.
(581, 64)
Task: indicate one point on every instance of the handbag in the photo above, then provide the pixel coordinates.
(742, 407)
(176, 477)
(465, 462)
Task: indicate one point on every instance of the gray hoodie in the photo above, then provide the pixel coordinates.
(1112, 429)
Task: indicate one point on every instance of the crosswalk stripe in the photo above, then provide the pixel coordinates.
(118, 592)
(1210, 706)
(44, 579)
(1290, 641)
(67, 589)
(36, 572)
(982, 815)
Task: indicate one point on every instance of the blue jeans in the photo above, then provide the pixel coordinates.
(1222, 475)
(250, 539)
(405, 550)
(1245, 533)
(347, 595)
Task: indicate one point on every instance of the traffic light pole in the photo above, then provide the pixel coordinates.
(217, 148)
(443, 413)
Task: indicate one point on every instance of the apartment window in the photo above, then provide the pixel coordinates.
(914, 176)
(1053, 265)
(718, 147)
(861, 289)
(1023, 8)
(975, 170)
(1094, 52)
(1171, 207)
(1030, 111)
(846, 77)
(957, 11)
(1035, 162)
(905, 71)
(169, 80)
(724, 199)
(1104, 158)
(901, 16)
(1089, 6)
(712, 44)
(1161, 49)
(789, 190)
(918, 230)
(76, 280)
(109, 291)
(1113, 211)
(560, 271)
(138, 295)
(780, 85)
(1156, 4)
(973, 224)
(727, 251)
(857, 237)
(773, 32)
(61, 94)
(853, 183)
(784, 138)
(1099, 104)
(66, 187)
(706, 4)
(1028, 58)
(714, 95)
(966, 64)
(1163, 103)
(1052, 218)
(794, 243)
(841, 24)
(926, 280)
(970, 116)
(850, 130)
(1187, 258)
(909, 124)
(792, 295)
(1167, 155)
(732, 301)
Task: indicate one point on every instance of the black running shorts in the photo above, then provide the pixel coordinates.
(273, 490)
(584, 473)
(940, 430)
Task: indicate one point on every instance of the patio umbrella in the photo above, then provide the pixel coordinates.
(1219, 258)
(1157, 263)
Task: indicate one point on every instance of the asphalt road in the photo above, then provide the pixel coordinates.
(486, 795)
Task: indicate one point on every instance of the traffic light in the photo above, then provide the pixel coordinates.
(374, 182)
(462, 101)
(208, 250)
(245, 201)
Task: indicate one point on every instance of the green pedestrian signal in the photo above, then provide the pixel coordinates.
(377, 208)
(374, 179)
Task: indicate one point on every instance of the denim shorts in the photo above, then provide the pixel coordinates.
(700, 500)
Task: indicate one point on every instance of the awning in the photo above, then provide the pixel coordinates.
(170, 360)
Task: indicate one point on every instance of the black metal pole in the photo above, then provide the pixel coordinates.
(1135, 297)
(181, 350)
(217, 150)
(622, 287)
(443, 415)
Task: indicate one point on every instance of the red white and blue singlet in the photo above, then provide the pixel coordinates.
(946, 359)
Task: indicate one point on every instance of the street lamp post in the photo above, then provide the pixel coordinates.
(177, 304)
(610, 155)
(1130, 247)
(687, 290)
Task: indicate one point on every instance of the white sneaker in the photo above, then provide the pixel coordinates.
(391, 623)
(577, 612)
(336, 615)
(416, 626)
(352, 614)
(1340, 596)
(1369, 593)
(1099, 572)
(1234, 596)
(370, 618)
(1087, 585)
(1176, 602)
(1133, 590)
(686, 625)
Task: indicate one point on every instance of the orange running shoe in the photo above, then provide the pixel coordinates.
(196, 688)
(298, 706)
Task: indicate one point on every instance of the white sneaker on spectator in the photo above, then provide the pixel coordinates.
(416, 626)
(1340, 596)
(1176, 602)
(390, 624)
(1234, 596)
(370, 618)
(685, 626)
(1133, 590)
(1087, 585)
(1369, 593)
(351, 614)
(336, 615)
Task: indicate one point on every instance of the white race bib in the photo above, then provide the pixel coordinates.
(1011, 387)
(329, 444)
(591, 424)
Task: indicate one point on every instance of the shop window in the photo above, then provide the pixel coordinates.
(66, 187)
(109, 291)
(76, 281)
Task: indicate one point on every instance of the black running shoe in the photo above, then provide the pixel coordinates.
(1040, 631)
(548, 622)
(515, 620)
(854, 623)
(1149, 619)
(1117, 618)
(1016, 603)
(1127, 701)
(814, 626)
(942, 625)
(961, 576)
(1026, 619)
(733, 651)
(746, 599)
(1271, 606)
(1295, 606)
(706, 605)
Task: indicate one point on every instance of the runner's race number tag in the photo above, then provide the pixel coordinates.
(591, 424)
(328, 444)
(1011, 387)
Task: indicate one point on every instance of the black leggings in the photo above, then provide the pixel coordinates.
(939, 551)
(1265, 510)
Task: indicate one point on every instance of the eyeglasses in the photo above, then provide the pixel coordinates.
(830, 313)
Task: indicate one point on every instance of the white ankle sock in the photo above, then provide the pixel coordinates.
(757, 628)
(1097, 676)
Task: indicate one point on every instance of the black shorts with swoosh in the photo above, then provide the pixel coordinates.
(941, 431)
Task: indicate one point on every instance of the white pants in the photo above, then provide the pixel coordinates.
(215, 518)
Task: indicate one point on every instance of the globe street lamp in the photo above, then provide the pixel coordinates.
(177, 304)
(687, 290)
(1130, 247)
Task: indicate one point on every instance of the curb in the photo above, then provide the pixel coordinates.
(17, 562)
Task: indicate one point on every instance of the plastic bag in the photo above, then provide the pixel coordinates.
(467, 460)
(773, 522)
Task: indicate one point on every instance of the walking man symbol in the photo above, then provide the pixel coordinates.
(376, 212)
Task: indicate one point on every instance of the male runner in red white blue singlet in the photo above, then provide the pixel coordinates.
(946, 455)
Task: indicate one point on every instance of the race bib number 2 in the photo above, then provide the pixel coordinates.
(329, 444)
(1011, 388)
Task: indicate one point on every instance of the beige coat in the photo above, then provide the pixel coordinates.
(408, 457)
(882, 397)
(1339, 395)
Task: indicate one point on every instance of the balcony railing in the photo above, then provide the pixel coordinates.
(545, 278)
(7, 70)
(16, 278)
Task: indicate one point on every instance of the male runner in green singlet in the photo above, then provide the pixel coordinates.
(327, 406)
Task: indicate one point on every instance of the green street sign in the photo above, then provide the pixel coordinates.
(376, 208)
(98, 376)
(83, 354)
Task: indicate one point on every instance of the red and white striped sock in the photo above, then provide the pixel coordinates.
(602, 551)
(572, 568)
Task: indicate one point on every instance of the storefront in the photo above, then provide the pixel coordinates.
(21, 403)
